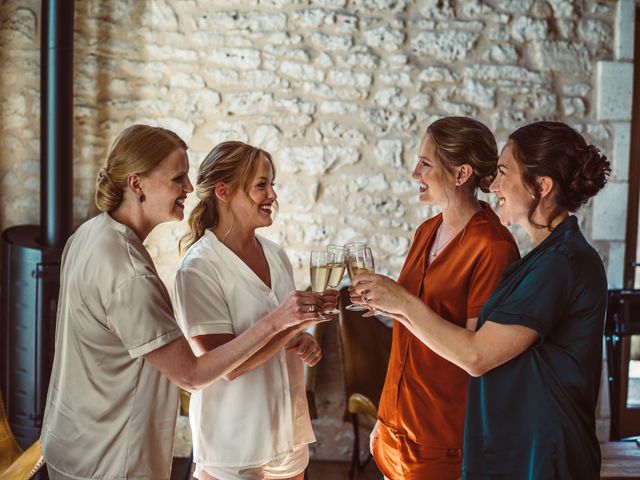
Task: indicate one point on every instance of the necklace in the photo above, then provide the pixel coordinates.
(438, 248)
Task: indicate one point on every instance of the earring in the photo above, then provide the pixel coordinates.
(533, 196)
(142, 198)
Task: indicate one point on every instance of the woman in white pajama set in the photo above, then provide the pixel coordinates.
(254, 423)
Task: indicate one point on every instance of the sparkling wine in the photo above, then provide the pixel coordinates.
(355, 270)
(319, 277)
(335, 274)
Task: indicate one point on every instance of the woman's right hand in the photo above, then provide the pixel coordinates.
(378, 292)
(297, 309)
(373, 437)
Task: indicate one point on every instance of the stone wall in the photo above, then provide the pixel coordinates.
(340, 91)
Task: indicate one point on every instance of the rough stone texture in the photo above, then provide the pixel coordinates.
(527, 28)
(561, 56)
(594, 32)
(389, 152)
(445, 46)
(384, 37)
(339, 91)
(574, 107)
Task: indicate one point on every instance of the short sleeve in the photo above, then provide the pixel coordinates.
(140, 313)
(200, 304)
(487, 273)
(541, 298)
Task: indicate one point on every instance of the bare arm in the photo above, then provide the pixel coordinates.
(177, 361)
(474, 352)
(206, 343)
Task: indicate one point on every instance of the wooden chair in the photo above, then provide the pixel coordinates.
(311, 373)
(623, 321)
(366, 346)
(14, 463)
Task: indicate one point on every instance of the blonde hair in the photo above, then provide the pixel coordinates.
(463, 140)
(138, 149)
(234, 163)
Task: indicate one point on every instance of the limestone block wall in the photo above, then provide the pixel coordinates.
(339, 91)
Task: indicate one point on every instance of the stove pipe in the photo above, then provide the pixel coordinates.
(31, 254)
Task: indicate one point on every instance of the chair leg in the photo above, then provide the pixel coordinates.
(355, 454)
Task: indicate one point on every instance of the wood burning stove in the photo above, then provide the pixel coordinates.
(31, 254)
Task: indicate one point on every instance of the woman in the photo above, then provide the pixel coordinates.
(536, 353)
(255, 423)
(454, 264)
(111, 406)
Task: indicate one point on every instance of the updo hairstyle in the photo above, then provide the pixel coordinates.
(138, 149)
(554, 149)
(463, 140)
(234, 163)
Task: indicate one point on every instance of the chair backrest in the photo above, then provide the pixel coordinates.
(622, 329)
(366, 345)
(623, 313)
(311, 373)
(14, 463)
(26, 465)
(9, 449)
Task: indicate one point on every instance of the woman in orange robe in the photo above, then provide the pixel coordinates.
(462, 251)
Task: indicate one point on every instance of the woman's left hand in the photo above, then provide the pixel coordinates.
(379, 292)
(306, 347)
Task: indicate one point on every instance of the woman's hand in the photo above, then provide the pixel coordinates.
(379, 292)
(307, 348)
(299, 308)
(330, 299)
(373, 437)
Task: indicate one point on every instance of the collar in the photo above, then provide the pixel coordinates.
(567, 226)
(564, 229)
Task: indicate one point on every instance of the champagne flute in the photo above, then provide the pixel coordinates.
(359, 260)
(319, 269)
(337, 267)
(354, 245)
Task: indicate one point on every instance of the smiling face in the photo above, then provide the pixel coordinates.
(253, 209)
(434, 179)
(514, 200)
(166, 187)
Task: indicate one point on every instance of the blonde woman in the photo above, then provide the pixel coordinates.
(113, 400)
(254, 423)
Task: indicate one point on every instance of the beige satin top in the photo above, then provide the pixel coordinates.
(110, 414)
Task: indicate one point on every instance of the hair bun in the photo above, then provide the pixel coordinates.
(591, 176)
(103, 175)
(108, 195)
(485, 181)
